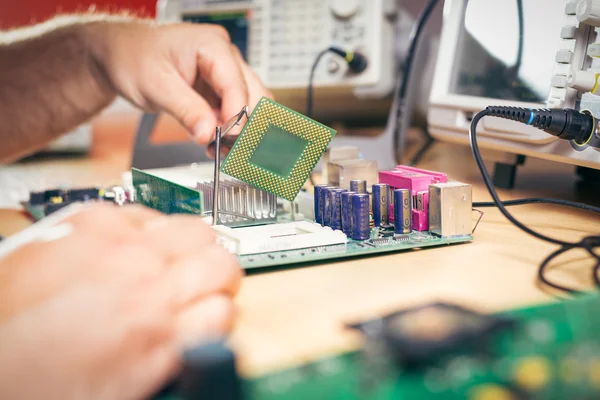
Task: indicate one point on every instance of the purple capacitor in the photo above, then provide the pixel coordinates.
(381, 203)
(358, 186)
(323, 207)
(319, 203)
(335, 208)
(361, 229)
(347, 213)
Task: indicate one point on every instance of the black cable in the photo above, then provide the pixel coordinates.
(429, 141)
(311, 78)
(490, 186)
(356, 62)
(540, 200)
(565, 124)
(402, 89)
(546, 263)
(517, 67)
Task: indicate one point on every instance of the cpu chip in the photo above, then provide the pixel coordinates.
(277, 149)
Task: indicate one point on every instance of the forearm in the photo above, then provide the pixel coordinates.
(49, 84)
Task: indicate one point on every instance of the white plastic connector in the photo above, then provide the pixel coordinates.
(588, 12)
(583, 81)
(277, 237)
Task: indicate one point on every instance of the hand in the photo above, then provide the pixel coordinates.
(104, 305)
(192, 72)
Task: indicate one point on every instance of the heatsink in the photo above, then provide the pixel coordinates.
(239, 203)
(189, 189)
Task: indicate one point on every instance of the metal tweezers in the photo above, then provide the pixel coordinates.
(221, 131)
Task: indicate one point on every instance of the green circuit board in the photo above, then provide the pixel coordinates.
(543, 352)
(354, 248)
(165, 196)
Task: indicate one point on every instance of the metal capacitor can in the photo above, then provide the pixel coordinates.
(381, 204)
(347, 213)
(360, 216)
(402, 211)
(358, 186)
(335, 208)
(319, 203)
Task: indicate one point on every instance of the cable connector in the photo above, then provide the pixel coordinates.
(566, 124)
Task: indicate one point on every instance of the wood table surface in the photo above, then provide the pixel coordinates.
(287, 317)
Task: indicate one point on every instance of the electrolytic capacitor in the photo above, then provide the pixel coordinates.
(319, 203)
(335, 208)
(323, 206)
(381, 203)
(358, 186)
(347, 213)
(402, 211)
(360, 216)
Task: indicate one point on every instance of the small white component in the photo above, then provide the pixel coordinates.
(559, 81)
(584, 81)
(588, 12)
(568, 32)
(277, 237)
(564, 56)
(593, 50)
(571, 7)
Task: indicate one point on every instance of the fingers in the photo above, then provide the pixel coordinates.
(218, 65)
(256, 89)
(209, 319)
(176, 97)
(192, 278)
(179, 235)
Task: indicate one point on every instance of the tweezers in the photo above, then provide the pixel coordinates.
(221, 133)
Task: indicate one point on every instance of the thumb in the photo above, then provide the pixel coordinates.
(177, 98)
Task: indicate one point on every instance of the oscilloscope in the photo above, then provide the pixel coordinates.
(532, 54)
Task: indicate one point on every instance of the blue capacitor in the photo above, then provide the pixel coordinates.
(358, 186)
(347, 213)
(319, 203)
(323, 206)
(360, 216)
(402, 211)
(335, 208)
(381, 204)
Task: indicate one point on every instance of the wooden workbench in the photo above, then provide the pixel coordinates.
(291, 316)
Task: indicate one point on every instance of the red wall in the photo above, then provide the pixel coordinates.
(15, 13)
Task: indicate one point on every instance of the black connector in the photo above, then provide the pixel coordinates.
(566, 124)
(356, 61)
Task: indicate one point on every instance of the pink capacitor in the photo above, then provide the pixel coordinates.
(417, 181)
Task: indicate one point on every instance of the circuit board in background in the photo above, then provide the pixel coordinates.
(549, 352)
(167, 197)
(277, 149)
(353, 248)
(553, 352)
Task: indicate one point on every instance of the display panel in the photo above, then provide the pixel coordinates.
(517, 64)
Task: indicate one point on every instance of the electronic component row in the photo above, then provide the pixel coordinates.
(404, 199)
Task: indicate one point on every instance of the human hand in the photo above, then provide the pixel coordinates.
(190, 71)
(103, 305)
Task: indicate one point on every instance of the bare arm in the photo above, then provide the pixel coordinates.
(56, 76)
(48, 85)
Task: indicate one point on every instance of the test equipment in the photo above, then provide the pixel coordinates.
(516, 58)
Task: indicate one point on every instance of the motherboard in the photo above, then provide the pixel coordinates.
(360, 211)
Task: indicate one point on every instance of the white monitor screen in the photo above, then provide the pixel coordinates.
(507, 49)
